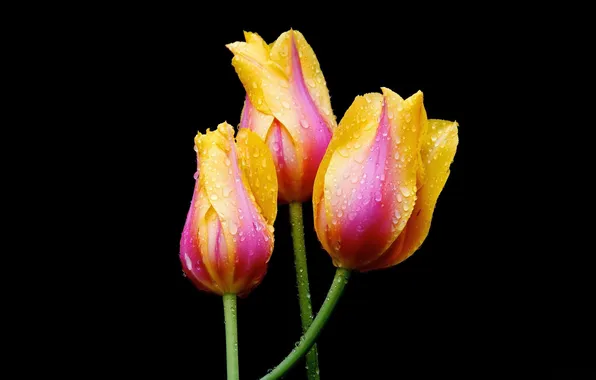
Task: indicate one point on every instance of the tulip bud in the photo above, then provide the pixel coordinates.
(287, 105)
(378, 183)
(228, 236)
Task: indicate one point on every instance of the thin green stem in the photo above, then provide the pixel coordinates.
(296, 220)
(309, 338)
(229, 301)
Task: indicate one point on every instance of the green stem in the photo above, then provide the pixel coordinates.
(296, 220)
(229, 301)
(309, 338)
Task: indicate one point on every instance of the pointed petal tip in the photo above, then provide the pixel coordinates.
(235, 47)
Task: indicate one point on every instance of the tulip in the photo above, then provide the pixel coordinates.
(378, 184)
(228, 236)
(287, 105)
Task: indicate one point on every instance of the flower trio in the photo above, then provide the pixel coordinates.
(374, 180)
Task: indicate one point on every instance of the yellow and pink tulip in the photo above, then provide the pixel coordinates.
(287, 104)
(228, 236)
(379, 181)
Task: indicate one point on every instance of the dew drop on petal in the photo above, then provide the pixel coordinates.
(233, 228)
(378, 196)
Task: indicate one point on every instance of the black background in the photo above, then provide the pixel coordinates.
(476, 299)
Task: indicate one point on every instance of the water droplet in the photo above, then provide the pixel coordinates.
(338, 192)
(311, 82)
(326, 111)
(213, 197)
(233, 228)
(304, 123)
(264, 163)
(343, 152)
(285, 104)
(434, 138)
(406, 207)
(337, 245)
(354, 178)
(378, 196)
(408, 117)
(254, 85)
(404, 190)
(196, 175)
(396, 155)
(390, 115)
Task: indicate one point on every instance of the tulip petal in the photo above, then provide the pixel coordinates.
(193, 264)
(214, 248)
(255, 120)
(292, 52)
(299, 110)
(357, 129)
(438, 151)
(259, 170)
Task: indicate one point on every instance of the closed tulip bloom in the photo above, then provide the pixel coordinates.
(287, 105)
(228, 236)
(378, 184)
